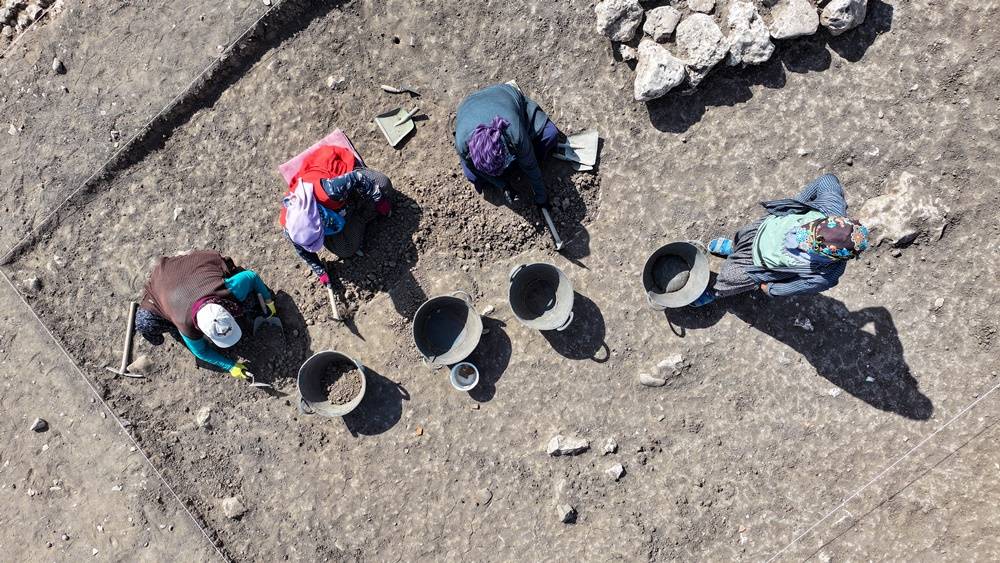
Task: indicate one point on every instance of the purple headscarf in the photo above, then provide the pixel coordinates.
(302, 219)
(487, 148)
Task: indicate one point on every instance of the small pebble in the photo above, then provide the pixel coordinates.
(39, 425)
(567, 514)
(58, 66)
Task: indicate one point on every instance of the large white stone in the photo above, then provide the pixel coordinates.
(661, 22)
(618, 19)
(657, 73)
(908, 209)
(749, 38)
(843, 15)
(794, 18)
(702, 45)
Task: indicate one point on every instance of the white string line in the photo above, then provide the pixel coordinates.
(883, 472)
(107, 407)
(25, 31)
(142, 130)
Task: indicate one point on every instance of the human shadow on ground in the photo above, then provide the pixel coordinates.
(845, 347)
(380, 409)
(273, 356)
(583, 339)
(389, 255)
(492, 357)
(728, 86)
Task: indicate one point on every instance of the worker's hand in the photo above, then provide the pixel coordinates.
(384, 207)
(271, 309)
(239, 371)
(324, 279)
(763, 287)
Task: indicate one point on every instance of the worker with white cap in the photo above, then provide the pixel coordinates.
(198, 296)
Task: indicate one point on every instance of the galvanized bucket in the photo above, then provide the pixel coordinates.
(541, 296)
(313, 398)
(676, 275)
(446, 329)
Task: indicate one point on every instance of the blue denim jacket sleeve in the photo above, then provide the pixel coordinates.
(814, 282)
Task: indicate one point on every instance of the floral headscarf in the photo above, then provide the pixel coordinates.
(838, 238)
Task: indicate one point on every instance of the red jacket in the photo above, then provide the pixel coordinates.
(324, 162)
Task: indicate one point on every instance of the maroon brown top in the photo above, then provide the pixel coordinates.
(178, 281)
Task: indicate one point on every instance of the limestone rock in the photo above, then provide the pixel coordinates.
(749, 38)
(141, 366)
(907, 210)
(661, 22)
(618, 19)
(566, 512)
(704, 6)
(843, 15)
(702, 45)
(794, 18)
(57, 66)
(628, 52)
(610, 446)
(616, 471)
(657, 73)
(561, 445)
(483, 497)
(233, 508)
(203, 418)
(33, 284)
(649, 381)
(671, 366)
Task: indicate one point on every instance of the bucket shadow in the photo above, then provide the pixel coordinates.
(492, 357)
(845, 347)
(380, 410)
(583, 339)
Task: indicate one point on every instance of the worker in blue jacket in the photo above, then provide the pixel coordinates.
(499, 126)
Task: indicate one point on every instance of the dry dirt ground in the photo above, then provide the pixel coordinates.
(766, 432)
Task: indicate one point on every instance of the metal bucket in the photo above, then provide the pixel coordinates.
(447, 328)
(676, 275)
(541, 296)
(312, 398)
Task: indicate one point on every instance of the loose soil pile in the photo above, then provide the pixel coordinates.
(341, 382)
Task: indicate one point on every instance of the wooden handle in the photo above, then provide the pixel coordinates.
(333, 304)
(406, 117)
(129, 335)
(552, 229)
(263, 306)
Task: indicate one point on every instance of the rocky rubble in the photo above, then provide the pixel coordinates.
(17, 15)
(696, 35)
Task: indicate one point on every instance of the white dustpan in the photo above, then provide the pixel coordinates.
(580, 149)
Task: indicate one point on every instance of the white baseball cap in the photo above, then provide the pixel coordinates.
(215, 322)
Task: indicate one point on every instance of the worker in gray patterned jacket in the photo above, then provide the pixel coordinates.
(802, 246)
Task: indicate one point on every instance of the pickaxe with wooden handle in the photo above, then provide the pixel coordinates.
(129, 338)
